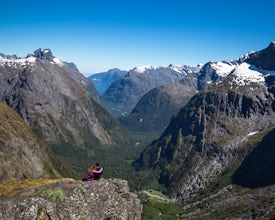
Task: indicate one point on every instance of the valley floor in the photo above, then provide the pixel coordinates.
(231, 202)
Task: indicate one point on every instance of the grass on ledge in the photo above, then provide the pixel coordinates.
(12, 186)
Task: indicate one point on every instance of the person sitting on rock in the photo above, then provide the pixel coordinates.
(90, 174)
(97, 172)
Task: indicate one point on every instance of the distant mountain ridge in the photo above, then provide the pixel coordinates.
(155, 109)
(150, 114)
(103, 80)
(123, 94)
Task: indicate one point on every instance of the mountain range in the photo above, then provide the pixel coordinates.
(154, 110)
(123, 94)
(209, 134)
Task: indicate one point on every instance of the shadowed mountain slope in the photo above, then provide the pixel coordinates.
(22, 153)
(257, 170)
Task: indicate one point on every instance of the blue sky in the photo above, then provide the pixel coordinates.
(102, 34)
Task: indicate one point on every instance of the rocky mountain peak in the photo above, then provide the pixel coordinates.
(272, 45)
(43, 54)
(264, 59)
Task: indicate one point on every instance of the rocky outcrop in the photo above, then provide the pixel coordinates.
(102, 199)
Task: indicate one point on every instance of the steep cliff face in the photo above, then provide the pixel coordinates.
(70, 69)
(257, 170)
(54, 103)
(22, 153)
(234, 203)
(102, 199)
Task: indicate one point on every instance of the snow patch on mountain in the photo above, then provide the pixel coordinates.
(178, 69)
(96, 79)
(223, 69)
(58, 61)
(12, 62)
(181, 69)
(142, 69)
(244, 74)
(252, 133)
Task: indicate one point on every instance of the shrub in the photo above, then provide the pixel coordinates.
(55, 193)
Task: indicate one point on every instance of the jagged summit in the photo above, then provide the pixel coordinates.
(46, 54)
(264, 59)
(40, 54)
(43, 54)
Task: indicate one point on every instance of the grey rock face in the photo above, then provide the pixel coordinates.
(102, 199)
(54, 98)
(45, 54)
(70, 69)
(22, 154)
(264, 59)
